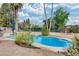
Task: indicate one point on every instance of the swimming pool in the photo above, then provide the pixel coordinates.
(52, 41)
(48, 41)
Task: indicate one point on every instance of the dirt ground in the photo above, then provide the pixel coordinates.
(9, 48)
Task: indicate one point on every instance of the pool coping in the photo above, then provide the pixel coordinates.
(55, 49)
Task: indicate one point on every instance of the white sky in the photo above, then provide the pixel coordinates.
(73, 19)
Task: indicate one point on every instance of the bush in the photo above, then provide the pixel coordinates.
(24, 39)
(75, 29)
(74, 49)
(44, 31)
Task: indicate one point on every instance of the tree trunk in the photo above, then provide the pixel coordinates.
(51, 18)
(45, 16)
(16, 20)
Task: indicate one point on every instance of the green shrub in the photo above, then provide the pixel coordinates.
(74, 49)
(44, 31)
(75, 29)
(24, 39)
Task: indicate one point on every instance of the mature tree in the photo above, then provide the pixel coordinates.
(10, 12)
(1, 13)
(45, 16)
(1, 21)
(5, 14)
(48, 21)
(16, 7)
(60, 18)
(51, 18)
(25, 25)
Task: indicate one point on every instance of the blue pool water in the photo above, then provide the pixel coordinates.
(49, 41)
(12, 37)
(52, 41)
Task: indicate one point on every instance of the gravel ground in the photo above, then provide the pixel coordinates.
(9, 48)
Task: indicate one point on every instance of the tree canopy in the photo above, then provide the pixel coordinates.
(60, 18)
(8, 12)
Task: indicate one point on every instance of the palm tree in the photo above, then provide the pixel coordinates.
(10, 12)
(51, 18)
(16, 6)
(45, 16)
